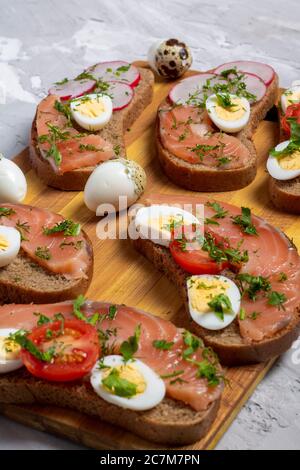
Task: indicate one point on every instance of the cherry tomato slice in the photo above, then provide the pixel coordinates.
(292, 111)
(76, 348)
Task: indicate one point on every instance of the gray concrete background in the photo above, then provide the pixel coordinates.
(44, 41)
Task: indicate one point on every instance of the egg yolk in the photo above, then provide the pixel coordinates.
(232, 113)
(290, 162)
(91, 108)
(201, 291)
(9, 350)
(131, 374)
(4, 244)
(293, 97)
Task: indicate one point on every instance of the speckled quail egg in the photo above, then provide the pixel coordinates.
(170, 58)
(113, 179)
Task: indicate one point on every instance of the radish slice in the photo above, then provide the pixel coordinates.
(116, 71)
(255, 86)
(121, 94)
(263, 71)
(72, 88)
(189, 87)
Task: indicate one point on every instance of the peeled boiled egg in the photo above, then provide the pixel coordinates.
(9, 352)
(10, 242)
(286, 167)
(93, 111)
(132, 385)
(13, 185)
(113, 179)
(230, 113)
(155, 222)
(290, 96)
(203, 289)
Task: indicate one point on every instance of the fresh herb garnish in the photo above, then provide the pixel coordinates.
(224, 100)
(201, 149)
(67, 226)
(55, 135)
(252, 285)
(130, 346)
(245, 221)
(112, 312)
(220, 304)
(77, 312)
(119, 386)
(220, 212)
(20, 337)
(294, 143)
(162, 344)
(43, 252)
(172, 374)
(62, 82)
(242, 315)
(282, 277)
(64, 109)
(6, 211)
(89, 148)
(277, 299)
(23, 228)
(77, 245)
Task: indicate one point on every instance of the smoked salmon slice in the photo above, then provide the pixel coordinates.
(73, 149)
(271, 255)
(57, 252)
(188, 133)
(181, 376)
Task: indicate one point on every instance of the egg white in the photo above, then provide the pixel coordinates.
(14, 243)
(13, 185)
(210, 320)
(149, 231)
(286, 97)
(8, 365)
(226, 125)
(92, 123)
(152, 396)
(112, 179)
(275, 169)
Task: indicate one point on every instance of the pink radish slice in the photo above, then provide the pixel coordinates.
(255, 86)
(121, 94)
(263, 71)
(72, 89)
(188, 87)
(117, 71)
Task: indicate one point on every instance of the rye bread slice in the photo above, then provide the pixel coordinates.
(113, 132)
(170, 423)
(231, 348)
(197, 177)
(24, 281)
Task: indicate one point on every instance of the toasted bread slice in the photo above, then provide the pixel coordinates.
(231, 348)
(169, 423)
(198, 177)
(285, 195)
(113, 132)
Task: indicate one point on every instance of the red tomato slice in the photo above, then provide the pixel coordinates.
(77, 350)
(293, 111)
(191, 258)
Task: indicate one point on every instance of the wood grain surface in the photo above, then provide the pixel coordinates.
(123, 276)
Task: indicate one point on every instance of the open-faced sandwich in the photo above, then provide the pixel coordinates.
(113, 362)
(238, 276)
(81, 123)
(284, 160)
(43, 256)
(205, 126)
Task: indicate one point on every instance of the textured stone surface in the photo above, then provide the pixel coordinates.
(42, 42)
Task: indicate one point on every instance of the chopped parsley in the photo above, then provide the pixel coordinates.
(277, 299)
(67, 226)
(20, 337)
(245, 221)
(224, 100)
(252, 285)
(192, 342)
(55, 135)
(6, 211)
(242, 314)
(201, 149)
(294, 142)
(64, 109)
(89, 148)
(119, 386)
(172, 374)
(77, 312)
(43, 252)
(220, 304)
(162, 344)
(62, 82)
(23, 228)
(282, 277)
(220, 212)
(130, 346)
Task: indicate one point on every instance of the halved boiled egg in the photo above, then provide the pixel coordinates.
(230, 113)
(214, 301)
(290, 96)
(93, 111)
(10, 243)
(130, 384)
(9, 352)
(285, 167)
(155, 222)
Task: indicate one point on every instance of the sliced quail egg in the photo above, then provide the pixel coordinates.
(10, 242)
(93, 111)
(9, 352)
(230, 113)
(285, 167)
(214, 301)
(13, 185)
(131, 384)
(155, 222)
(290, 96)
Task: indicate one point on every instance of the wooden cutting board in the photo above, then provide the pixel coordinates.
(123, 276)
